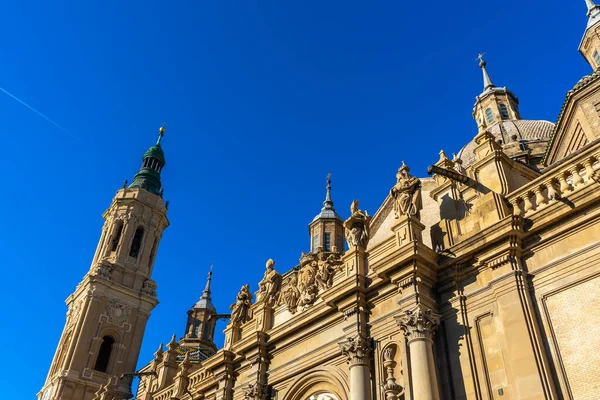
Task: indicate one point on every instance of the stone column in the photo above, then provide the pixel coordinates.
(419, 327)
(358, 351)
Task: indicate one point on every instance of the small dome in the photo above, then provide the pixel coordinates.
(524, 130)
(155, 151)
(327, 213)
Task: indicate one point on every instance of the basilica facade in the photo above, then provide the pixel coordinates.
(481, 281)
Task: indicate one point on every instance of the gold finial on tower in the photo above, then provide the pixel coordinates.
(161, 132)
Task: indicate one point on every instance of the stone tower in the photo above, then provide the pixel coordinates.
(108, 311)
(327, 228)
(201, 322)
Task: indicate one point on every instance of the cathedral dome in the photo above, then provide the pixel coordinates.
(524, 130)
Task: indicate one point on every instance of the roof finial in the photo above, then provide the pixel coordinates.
(328, 203)
(161, 132)
(206, 292)
(487, 82)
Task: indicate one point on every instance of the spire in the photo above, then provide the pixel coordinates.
(328, 211)
(205, 301)
(328, 203)
(487, 82)
(207, 287)
(593, 12)
(153, 161)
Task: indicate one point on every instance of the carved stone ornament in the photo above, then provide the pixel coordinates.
(240, 310)
(406, 193)
(418, 324)
(391, 389)
(104, 271)
(270, 285)
(357, 228)
(357, 350)
(316, 273)
(117, 312)
(149, 288)
(256, 391)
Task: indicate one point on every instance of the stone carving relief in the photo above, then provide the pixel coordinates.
(270, 285)
(117, 312)
(149, 288)
(316, 273)
(240, 310)
(256, 391)
(104, 271)
(406, 193)
(357, 228)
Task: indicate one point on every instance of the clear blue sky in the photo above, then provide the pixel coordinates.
(262, 100)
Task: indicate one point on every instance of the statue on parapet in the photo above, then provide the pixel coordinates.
(270, 285)
(406, 193)
(240, 310)
(357, 227)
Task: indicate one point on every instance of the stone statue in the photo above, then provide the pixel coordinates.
(406, 193)
(291, 294)
(357, 227)
(270, 285)
(240, 310)
(325, 270)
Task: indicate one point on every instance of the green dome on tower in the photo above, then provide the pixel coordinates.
(153, 161)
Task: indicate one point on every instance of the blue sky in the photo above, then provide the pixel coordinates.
(262, 100)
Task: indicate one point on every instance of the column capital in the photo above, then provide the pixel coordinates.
(418, 324)
(357, 349)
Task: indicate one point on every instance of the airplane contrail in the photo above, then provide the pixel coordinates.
(39, 113)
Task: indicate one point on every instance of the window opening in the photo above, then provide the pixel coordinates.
(489, 115)
(117, 236)
(137, 242)
(504, 111)
(104, 354)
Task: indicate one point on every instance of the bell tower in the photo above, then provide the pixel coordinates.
(108, 311)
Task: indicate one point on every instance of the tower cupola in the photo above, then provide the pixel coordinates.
(327, 229)
(494, 104)
(590, 43)
(201, 322)
(153, 161)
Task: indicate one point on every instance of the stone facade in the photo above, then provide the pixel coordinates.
(475, 283)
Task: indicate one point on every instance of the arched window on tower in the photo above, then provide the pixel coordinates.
(489, 115)
(137, 242)
(503, 111)
(117, 236)
(104, 354)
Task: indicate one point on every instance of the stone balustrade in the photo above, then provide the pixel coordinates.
(556, 183)
(165, 394)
